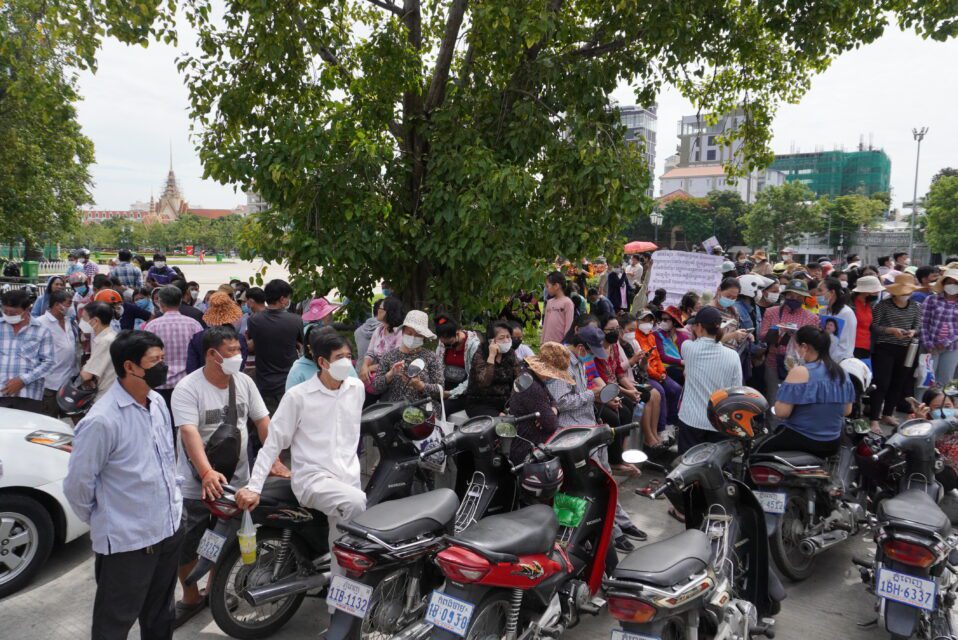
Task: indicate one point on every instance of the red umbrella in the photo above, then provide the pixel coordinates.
(640, 246)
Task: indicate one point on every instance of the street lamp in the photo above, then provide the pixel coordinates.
(919, 135)
(656, 219)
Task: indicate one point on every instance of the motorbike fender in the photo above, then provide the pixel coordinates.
(226, 528)
(474, 594)
(900, 619)
(772, 522)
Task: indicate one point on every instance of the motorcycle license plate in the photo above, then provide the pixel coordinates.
(451, 614)
(906, 589)
(771, 501)
(211, 544)
(618, 634)
(349, 596)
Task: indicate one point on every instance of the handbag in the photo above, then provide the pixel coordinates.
(225, 445)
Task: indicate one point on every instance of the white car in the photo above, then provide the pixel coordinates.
(34, 514)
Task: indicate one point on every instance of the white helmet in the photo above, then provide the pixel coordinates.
(859, 373)
(752, 284)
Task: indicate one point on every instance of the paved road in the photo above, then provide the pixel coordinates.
(59, 604)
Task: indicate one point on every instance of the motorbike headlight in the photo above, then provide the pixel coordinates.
(55, 439)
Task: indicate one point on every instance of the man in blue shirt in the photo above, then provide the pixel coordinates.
(160, 272)
(26, 354)
(122, 481)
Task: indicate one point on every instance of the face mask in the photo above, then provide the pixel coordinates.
(387, 292)
(906, 261)
(245, 309)
(155, 376)
(232, 365)
(665, 326)
(726, 302)
(516, 342)
(144, 303)
(844, 284)
(12, 319)
(612, 336)
(504, 347)
(341, 369)
(159, 265)
(194, 293)
(951, 289)
(412, 342)
(81, 290)
(645, 327)
(117, 312)
(85, 326)
(772, 296)
(822, 301)
(944, 412)
(793, 305)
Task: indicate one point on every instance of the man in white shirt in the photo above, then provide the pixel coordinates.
(65, 334)
(634, 270)
(95, 319)
(319, 420)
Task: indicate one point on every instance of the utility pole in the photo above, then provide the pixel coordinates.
(919, 135)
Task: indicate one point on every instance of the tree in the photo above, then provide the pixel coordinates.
(941, 206)
(844, 216)
(447, 143)
(945, 173)
(781, 214)
(691, 215)
(728, 212)
(44, 157)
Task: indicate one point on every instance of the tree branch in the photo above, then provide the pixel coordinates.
(595, 51)
(388, 6)
(437, 87)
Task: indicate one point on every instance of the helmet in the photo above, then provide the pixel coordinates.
(108, 296)
(83, 252)
(417, 423)
(540, 481)
(752, 284)
(32, 290)
(75, 396)
(859, 373)
(75, 278)
(734, 412)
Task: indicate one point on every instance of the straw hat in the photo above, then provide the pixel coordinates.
(868, 284)
(222, 310)
(418, 321)
(552, 362)
(951, 273)
(759, 255)
(904, 285)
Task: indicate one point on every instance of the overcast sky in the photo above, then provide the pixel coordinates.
(136, 106)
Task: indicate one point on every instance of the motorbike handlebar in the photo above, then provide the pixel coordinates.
(419, 403)
(625, 428)
(431, 451)
(662, 488)
(884, 453)
(411, 462)
(528, 416)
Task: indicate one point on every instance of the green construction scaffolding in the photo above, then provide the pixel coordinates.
(836, 173)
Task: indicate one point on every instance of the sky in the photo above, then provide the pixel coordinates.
(135, 108)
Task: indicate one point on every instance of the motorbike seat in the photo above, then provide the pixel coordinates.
(278, 492)
(503, 537)
(794, 458)
(913, 508)
(666, 563)
(407, 518)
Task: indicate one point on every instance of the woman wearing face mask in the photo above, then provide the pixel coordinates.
(831, 297)
(456, 349)
(391, 382)
(937, 405)
(939, 330)
(779, 325)
(812, 401)
(141, 298)
(386, 337)
(95, 321)
(492, 373)
(637, 373)
(54, 283)
(669, 336)
(896, 320)
(658, 379)
(864, 296)
(82, 294)
(222, 311)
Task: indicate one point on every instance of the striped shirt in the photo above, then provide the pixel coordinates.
(709, 366)
(175, 330)
(27, 355)
(574, 402)
(889, 315)
(939, 324)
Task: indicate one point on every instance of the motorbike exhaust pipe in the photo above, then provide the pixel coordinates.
(814, 545)
(284, 588)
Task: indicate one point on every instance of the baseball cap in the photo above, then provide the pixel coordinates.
(593, 338)
(706, 316)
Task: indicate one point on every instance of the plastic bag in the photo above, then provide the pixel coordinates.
(247, 539)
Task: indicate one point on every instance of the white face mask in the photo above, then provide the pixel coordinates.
(118, 312)
(232, 365)
(341, 369)
(951, 289)
(412, 342)
(504, 347)
(159, 265)
(772, 296)
(665, 326)
(12, 319)
(85, 326)
(645, 327)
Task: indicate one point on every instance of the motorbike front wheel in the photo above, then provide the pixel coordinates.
(233, 615)
(794, 526)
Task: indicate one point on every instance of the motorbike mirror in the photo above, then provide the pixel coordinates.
(523, 382)
(772, 410)
(609, 393)
(415, 367)
(634, 456)
(506, 430)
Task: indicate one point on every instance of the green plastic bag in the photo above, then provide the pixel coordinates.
(569, 510)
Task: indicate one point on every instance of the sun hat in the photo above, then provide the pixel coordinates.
(108, 296)
(779, 268)
(911, 269)
(797, 286)
(904, 285)
(221, 310)
(675, 313)
(319, 308)
(759, 255)
(418, 321)
(592, 337)
(552, 362)
(868, 284)
(950, 274)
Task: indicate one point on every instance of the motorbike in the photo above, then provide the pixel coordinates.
(712, 580)
(915, 570)
(387, 551)
(532, 573)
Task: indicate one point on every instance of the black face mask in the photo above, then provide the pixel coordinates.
(612, 336)
(515, 343)
(155, 376)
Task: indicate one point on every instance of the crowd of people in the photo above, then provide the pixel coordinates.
(165, 368)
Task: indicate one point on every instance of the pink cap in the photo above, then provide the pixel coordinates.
(318, 309)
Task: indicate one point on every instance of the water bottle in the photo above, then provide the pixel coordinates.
(912, 353)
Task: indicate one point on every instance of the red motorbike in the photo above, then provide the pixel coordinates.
(533, 572)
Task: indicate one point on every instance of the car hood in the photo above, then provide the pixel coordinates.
(14, 420)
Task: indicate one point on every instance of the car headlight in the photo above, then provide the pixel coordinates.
(55, 439)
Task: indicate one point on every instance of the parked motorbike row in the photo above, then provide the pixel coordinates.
(526, 550)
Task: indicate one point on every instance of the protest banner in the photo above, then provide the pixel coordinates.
(710, 245)
(679, 272)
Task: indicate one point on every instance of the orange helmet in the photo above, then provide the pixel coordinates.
(108, 296)
(735, 411)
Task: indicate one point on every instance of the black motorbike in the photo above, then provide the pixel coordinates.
(915, 570)
(713, 579)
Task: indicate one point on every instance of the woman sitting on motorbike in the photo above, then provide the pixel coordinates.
(812, 401)
(938, 405)
(493, 370)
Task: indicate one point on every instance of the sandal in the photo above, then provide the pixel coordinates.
(183, 612)
(647, 490)
(675, 514)
(627, 469)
